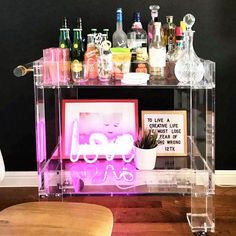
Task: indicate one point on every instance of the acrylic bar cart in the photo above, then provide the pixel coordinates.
(63, 172)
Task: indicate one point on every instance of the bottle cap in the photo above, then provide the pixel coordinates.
(119, 10)
(169, 19)
(154, 7)
(136, 16)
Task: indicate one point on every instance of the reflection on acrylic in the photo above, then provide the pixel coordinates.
(41, 141)
(100, 173)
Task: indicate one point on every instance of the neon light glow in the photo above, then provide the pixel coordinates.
(41, 141)
(102, 172)
(98, 144)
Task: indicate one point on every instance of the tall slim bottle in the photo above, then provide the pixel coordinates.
(154, 13)
(169, 33)
(90, 59)
(119, 37)
(77, 52)
(64, 38)
(157, 54)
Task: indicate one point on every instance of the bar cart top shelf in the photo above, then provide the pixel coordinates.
(151, 84)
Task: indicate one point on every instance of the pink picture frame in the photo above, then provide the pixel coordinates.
(89, 124)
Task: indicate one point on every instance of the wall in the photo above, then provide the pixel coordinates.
(29, 26)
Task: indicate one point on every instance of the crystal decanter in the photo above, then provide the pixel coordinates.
(189, 69)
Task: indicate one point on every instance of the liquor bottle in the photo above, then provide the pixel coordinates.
(119, 37)
(77, 52)
(169, 33)
(64, 38)
(137, 36)
(90, 58)
(189, 69)
(157, 54)
(154, 13)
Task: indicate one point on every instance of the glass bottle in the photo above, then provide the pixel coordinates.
(169, 33)
(90, 59)
(119, 37)
(77, 53)
(173, 56)
(189, 69)
(157, 54)
(154, 13)
(64, 38)
(137, 36)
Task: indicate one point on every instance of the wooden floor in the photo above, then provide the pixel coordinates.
(146, 215)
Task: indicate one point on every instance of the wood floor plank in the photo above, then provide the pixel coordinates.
(153, 215)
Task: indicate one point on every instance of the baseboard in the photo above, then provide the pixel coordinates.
(20, 179)
(29, 178)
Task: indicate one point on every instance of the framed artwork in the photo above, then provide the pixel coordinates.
(171, 127)
(97, 129)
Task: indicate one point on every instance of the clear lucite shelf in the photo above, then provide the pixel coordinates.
(192, 174)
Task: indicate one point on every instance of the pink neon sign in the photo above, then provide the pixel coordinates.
(100, 145)
(114, 172)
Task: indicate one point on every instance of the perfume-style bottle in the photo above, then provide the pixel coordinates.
(189, 69)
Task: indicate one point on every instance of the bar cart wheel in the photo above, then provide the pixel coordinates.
(200, 233)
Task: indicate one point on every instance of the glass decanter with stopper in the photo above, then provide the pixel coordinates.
(189, 69)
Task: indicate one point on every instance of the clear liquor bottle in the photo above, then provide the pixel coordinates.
(157, 54)
(119, 37)
(154, 13)
(137, 36)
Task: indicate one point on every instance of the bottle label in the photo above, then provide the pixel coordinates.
(62, 45)
(157, 57)
(76, 66)
(91, 70)
(137, 43)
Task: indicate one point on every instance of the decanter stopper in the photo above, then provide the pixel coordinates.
(189, 21)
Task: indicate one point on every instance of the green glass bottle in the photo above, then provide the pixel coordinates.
(64, 38)
(77, 52)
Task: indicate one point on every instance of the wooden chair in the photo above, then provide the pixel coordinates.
(56, 218)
